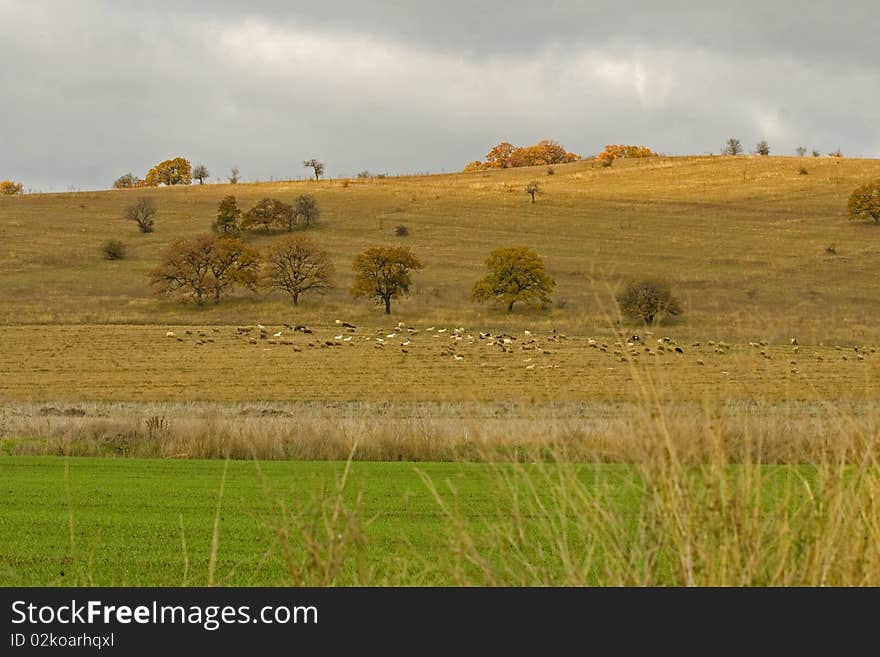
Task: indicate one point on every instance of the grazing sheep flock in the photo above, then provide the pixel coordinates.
(540, 350)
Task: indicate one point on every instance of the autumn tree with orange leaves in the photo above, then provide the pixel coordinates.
(507, 156)
(620, 151)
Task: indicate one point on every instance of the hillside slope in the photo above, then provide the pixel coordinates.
(743, 240)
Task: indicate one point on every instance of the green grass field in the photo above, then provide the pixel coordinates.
(118, 521)
(159, 522)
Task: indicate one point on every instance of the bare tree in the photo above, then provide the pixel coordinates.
(233, 176)
(295, 265)
(143, 213)
(317, 167)
(305, 208)
(762, 148)
(733, 147)
(532, 189)
(200, 172)
(801, 151)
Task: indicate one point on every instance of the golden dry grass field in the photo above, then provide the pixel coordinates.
(124, 362)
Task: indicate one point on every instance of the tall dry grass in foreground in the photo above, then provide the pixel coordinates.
(665, 522)
(664, 519)
(698, 498)
(701, 508)
(769, 432)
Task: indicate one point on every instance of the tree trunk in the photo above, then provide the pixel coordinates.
(387, 305)
(296, 298)
(510, 306)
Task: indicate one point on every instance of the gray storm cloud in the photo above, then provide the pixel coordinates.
(92, 90)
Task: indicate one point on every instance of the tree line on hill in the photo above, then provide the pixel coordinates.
(547, 153)
(208, 267)
(733, 146)
(179, 171)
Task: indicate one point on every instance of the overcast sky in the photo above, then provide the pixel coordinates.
(92, 89)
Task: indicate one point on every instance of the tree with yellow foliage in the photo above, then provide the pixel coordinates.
(864, 202)
(515, 274)
(384, 273)
(170, 172)
(9, 188)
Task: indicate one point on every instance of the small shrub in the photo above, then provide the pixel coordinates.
(401, 231)
(364, 175)
(550, 171)
(648, 300)
(113, 250)
(606, 161)
(816, 154)
(381, 176)
(831, 249)
(837, 153)
(803, 171)
(127, 181)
